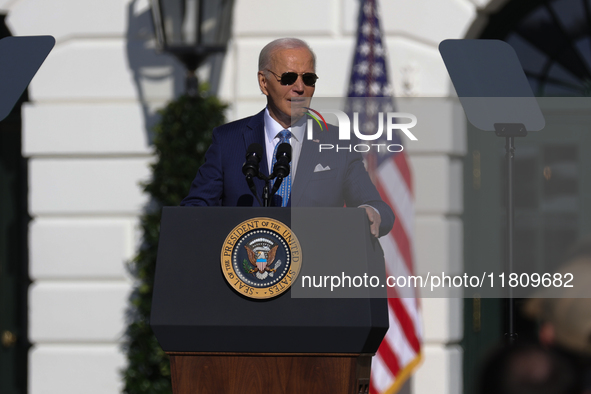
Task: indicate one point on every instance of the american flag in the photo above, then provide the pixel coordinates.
(400, 351)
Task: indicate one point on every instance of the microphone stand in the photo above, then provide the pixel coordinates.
(268, 194)
(253, 189)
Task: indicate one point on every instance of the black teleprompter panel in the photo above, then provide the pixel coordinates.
(194, 309)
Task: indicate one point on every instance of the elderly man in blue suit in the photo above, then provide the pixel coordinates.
(319, 179)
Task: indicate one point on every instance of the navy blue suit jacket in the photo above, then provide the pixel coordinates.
(220, 181)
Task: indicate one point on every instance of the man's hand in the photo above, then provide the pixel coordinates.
(374, 220)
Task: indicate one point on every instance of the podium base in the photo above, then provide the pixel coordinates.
(285, 373)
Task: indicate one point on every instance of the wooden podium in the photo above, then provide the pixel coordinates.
(269, 373)
(220, 341)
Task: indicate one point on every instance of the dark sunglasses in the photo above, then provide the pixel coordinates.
(289, 78)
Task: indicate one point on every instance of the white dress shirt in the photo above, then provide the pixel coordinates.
(272, 128)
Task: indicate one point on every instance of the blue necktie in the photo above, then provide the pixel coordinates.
(285, 188)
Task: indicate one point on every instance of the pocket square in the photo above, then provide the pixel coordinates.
(319, 168)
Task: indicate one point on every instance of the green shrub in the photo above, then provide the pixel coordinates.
(181, 139)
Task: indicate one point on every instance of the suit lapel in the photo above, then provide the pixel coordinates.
(255, 133)
(308, 159)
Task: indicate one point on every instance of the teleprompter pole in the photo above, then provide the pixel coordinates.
(510, 131)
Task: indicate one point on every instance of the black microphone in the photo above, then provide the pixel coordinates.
(283, 156)
(250, 168)
(281, 168)
(254, 153)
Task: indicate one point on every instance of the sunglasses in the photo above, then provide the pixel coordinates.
(289, 78)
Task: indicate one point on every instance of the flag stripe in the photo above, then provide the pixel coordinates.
(379, 368)
(411, 305)
(398, 342)
(406, 323)
(406, 313)
(395, 267)
(390, 178)
(398, 233)
(390, 359)
(402, 165)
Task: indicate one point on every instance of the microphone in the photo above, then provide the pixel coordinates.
(281, 168)
(250, 168)
(283, 156)
(254, 153)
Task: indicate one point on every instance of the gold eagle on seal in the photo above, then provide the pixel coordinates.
(261, 263)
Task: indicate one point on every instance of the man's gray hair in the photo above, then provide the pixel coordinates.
(282, 43)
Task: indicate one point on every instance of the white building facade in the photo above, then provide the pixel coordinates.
(86, 136)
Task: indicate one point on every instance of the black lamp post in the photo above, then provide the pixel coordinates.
(192, 30)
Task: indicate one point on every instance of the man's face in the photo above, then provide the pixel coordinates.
(281, 97)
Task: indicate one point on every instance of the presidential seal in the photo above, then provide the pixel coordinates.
(261, 258)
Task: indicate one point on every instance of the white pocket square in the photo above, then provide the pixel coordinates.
(319, 168)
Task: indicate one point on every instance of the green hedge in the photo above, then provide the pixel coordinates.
(181, 139)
